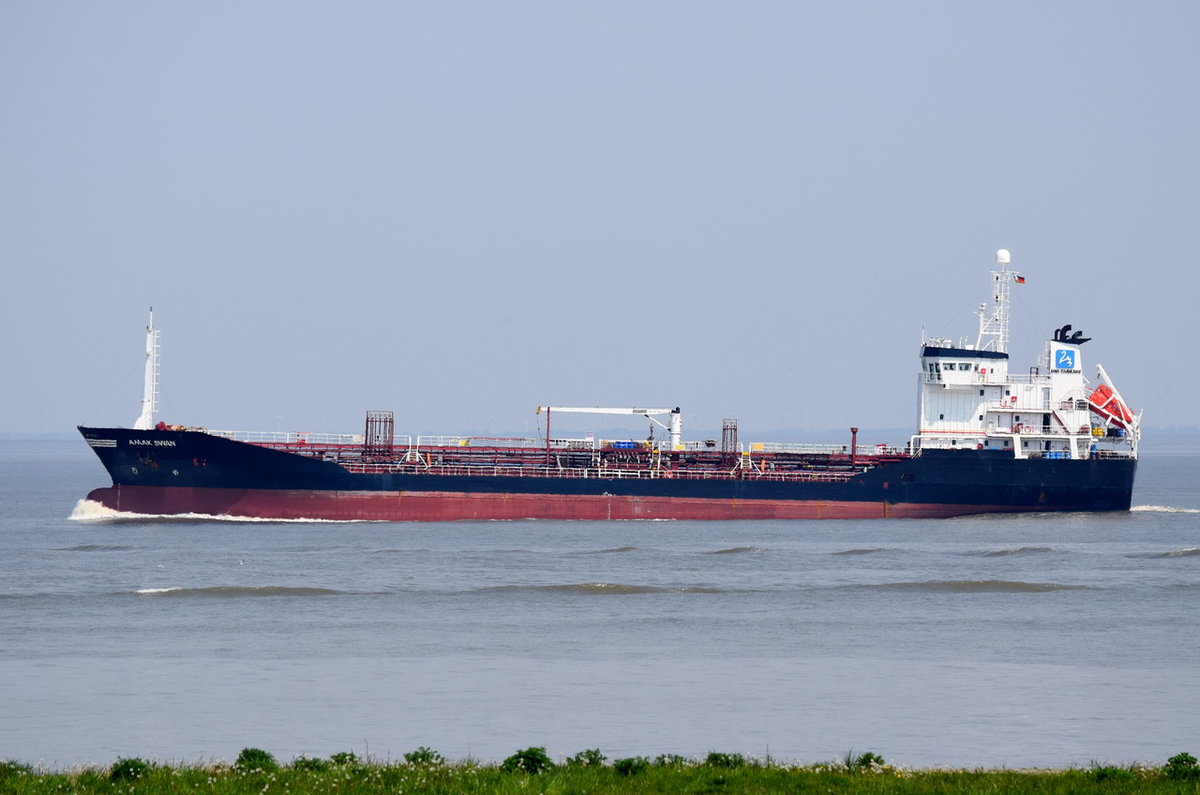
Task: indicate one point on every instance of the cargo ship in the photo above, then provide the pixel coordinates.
(987, 441)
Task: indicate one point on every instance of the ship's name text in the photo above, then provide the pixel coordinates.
(153, 442)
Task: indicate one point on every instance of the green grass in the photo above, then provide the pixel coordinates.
(531, 771)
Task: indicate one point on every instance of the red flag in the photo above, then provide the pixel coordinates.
(1020, 280)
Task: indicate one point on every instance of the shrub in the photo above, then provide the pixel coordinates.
(869, 759)
(589, 758)
(310, 764)
(718, 759)
(1110, 773)
(863, 762)
(670, 760)
(531, 760)
(424, 757)
(344, 758)
(128, 769)
(631, 766)
(251, 759)
(1182, 767)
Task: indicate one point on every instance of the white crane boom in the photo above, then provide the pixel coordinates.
(675, 429)
(603, 410)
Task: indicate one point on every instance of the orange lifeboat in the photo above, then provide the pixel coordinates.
(1104, 402)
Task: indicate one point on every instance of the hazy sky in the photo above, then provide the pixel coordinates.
(459, 211)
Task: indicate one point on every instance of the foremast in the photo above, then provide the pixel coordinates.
(145, 420)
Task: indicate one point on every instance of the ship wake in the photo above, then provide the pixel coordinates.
(91, 511)
(1162, 509)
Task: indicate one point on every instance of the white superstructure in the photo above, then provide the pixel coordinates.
(969, 399)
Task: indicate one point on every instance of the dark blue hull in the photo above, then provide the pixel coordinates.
(165, 471)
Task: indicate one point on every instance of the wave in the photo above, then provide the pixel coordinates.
(1187, 552)
(607, 551)
(863, 551)
(95, 548)
(601, 589)
(1162, 509)
(733, 551)
(91, 511)
(1002, 553)
(238, 590)
(976, 586)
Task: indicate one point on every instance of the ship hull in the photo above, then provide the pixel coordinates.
(188, 472)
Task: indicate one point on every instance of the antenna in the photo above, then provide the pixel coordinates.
(145, 420)
(995, 325)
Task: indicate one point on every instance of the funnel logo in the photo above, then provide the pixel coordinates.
(1064, 359)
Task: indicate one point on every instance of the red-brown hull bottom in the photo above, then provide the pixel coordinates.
(431, 506)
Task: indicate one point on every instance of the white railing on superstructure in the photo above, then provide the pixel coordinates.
(972, 378)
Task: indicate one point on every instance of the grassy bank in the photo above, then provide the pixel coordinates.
(531, 770)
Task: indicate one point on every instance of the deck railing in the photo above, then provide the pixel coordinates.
(594, 473)
(295, 438)
(410, 446)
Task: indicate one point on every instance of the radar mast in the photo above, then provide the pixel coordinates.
(993, 327)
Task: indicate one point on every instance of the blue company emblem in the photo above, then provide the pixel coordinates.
(1064, 359)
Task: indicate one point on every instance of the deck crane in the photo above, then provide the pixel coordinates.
(675, 429)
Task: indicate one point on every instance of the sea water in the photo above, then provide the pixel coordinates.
(1022, 640)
